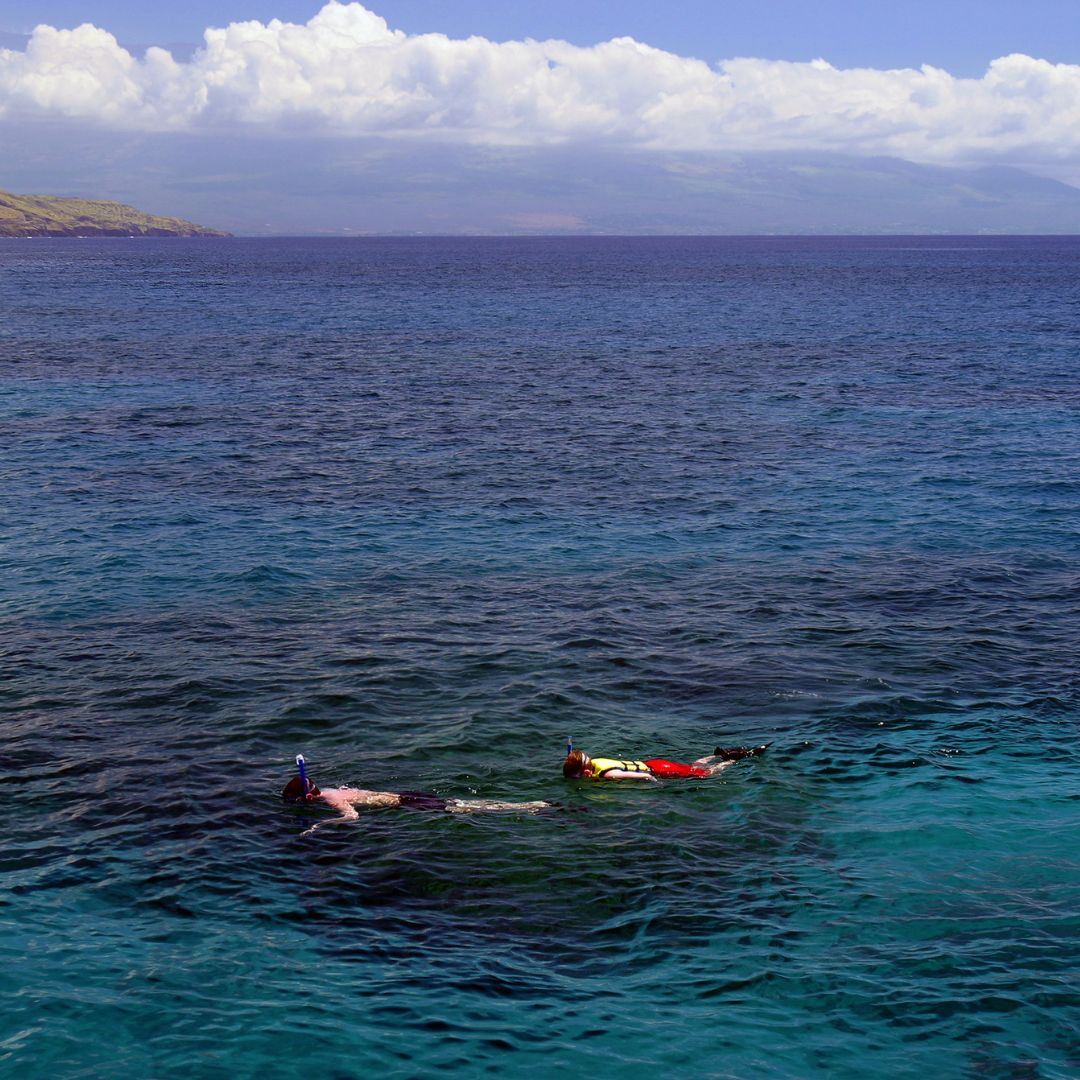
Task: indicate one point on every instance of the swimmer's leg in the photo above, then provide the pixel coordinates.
(721, 758)
(709, 766)
(480, 806)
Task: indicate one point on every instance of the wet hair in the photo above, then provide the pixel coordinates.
(294, 790)
(574, 765)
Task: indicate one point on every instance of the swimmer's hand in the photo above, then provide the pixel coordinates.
(627, 774)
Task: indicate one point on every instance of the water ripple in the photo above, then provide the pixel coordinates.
(655, 495)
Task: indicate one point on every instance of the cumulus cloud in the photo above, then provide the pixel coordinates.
(347, 73)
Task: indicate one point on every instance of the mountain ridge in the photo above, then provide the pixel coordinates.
(59, 216)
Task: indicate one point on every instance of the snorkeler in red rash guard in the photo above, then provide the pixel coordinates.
(346, 800)
(579, 765)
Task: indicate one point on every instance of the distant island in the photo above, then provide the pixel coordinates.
(47, 215)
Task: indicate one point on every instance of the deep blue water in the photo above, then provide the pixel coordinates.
(420, 508)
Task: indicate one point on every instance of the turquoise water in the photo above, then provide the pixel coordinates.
(421, 509)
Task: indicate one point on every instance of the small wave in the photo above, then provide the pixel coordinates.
(263, 574)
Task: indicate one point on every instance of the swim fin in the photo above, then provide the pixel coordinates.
(737, 753)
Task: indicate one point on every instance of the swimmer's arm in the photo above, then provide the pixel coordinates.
(338, 798)
(627, 774)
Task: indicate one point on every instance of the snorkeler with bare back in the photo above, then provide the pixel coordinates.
(349, 801)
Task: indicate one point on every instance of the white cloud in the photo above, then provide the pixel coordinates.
(346, 73)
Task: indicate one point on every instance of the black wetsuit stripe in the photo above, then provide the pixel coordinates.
(422, 800)
(628, 766)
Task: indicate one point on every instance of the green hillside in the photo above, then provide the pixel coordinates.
(46, 215)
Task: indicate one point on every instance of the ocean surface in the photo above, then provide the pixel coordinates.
(422, 508)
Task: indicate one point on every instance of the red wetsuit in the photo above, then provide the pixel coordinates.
(660, 767)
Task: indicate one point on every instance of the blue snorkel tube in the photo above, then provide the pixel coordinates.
(303, 776)
(569, 745)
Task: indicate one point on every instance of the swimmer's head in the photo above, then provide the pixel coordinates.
(575, 765)
(294, 791)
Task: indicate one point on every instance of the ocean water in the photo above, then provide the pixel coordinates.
(420, 509)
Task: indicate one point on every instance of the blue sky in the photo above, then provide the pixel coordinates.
(959, 35)
(451, 115)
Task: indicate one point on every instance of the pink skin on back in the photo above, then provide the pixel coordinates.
(346, 800)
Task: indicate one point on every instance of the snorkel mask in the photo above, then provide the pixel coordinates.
(300, 788)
